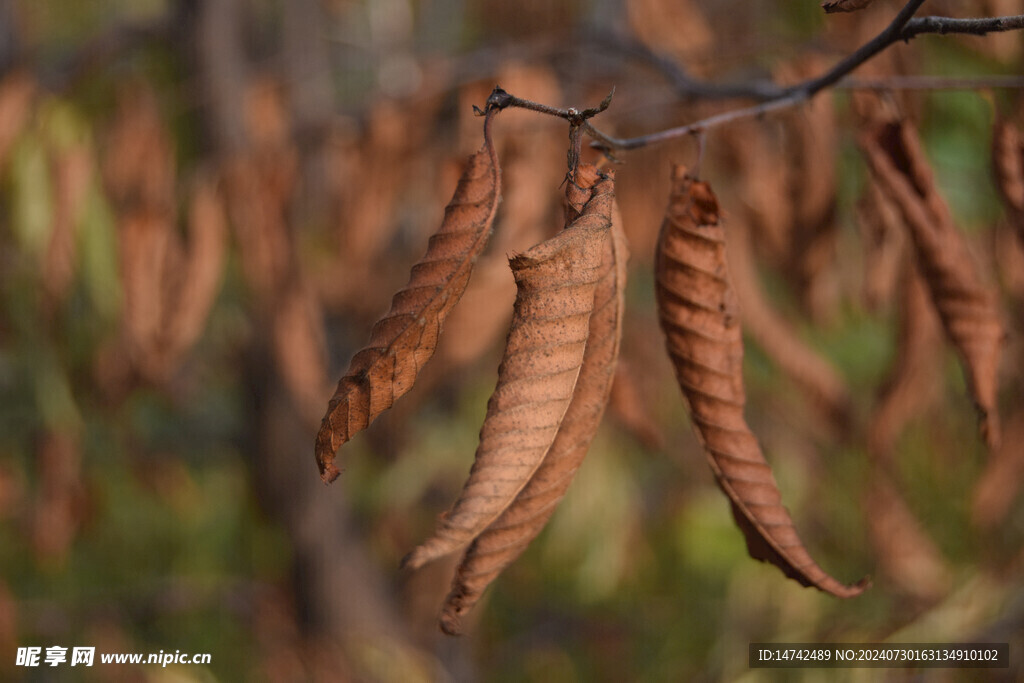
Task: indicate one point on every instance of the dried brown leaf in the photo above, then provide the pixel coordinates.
(1008, 167)
(59, 510)
(811, 163)
(752, 151)
(556, 282)
(907, 555)
(914, 380)
(831, 6)
(481, 319)
(405, 338)
(699, 314)
(300, 348)
(204, 264)
(17, 92)
(72, 170)
(969, 311)
(884, 243)
(139, 165)
(508, 536)
(675, 27)
(145, 241)
(1000, 482)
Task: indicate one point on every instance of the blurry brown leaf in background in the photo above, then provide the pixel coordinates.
(1001, 480)
(169, 283)
(884, 242)
(1008, 167)
(968, 309)
(675, 28)
(72, 171)
(914, 381)
(906, 554)
(17, 94)
(59, 508)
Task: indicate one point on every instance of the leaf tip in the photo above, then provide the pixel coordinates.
(328, 472)
(451, 621)
(412, 561)
(855, 589)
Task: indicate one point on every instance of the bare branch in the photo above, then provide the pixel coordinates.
(932, 83)
(902, 28)
(979, 26)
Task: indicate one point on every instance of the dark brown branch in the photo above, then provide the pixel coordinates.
(686, 86)
(975, 26)
(499, 99)
(932, 82)
(903, 27)
(889, 35)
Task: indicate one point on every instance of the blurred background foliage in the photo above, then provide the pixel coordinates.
(205, 205)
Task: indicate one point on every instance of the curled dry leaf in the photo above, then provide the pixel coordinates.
(506, 538)
(699, 314)
(968, 310)
(556, 281)
(405, 338)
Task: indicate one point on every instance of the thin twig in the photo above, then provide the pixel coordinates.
(686, 86)
(500, 99)
(889, 35)
(975, 26)
(903, 27)
(931, 83)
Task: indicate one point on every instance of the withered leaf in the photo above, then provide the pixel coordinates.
(508, 536)
(72, 171)
(1001, 481)
(556, 281)
(1008, 168)
(968, 310)
(700, 318)
(1008, 163)
(405, 338)
(202, 270)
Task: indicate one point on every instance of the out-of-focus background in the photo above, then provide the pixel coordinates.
(204, 206)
